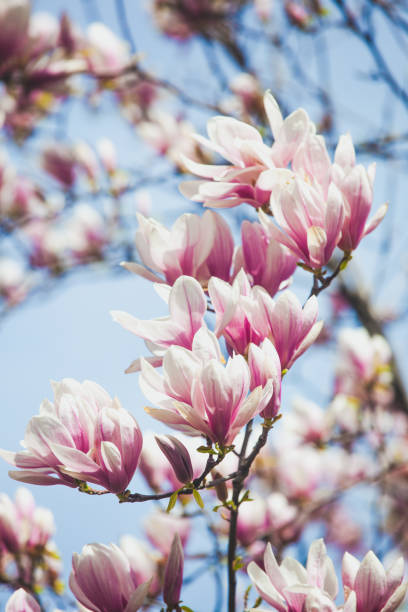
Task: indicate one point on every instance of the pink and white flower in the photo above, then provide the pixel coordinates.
(195, 246)
(102, 580)
(83, 436)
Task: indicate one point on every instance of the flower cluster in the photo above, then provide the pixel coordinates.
(367, 586)
(317, 205)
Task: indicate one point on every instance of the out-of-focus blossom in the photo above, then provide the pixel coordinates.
(25, 537)
(86, 233)
(298, 14)
(102, 580)
(266, 262)
(23, 526)
(21, 601)
(83, 436)
(195, 246)
(59, 161)
(173, 574)
(172, 137)
(107, 154)
(187, 306)
(181, 19)
(364, 366)
(376, 590)
(107, 54)
(14, 283)
(289, 586)
(87, 162)
(143, 561)
(356, 184)
(161, 528)
(14, 21)
(43, 34)
(308, 422)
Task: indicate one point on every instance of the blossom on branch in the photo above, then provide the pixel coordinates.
(83, 436)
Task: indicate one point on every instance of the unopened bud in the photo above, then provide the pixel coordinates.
(173, 575)
(178, 457)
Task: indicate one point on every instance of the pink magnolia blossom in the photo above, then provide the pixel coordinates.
(195, 246)
(102, 581)
(84, 435)
(289, 587)
(264, 365)
(161, 527)
(204, 398)
(310, 220)
(356, 184)
(231, 317)
(187, 306)
(376, 590)
(21, 601)
(266, 262)
(230, 185)
(291, 328)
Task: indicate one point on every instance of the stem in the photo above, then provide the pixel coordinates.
(244, 466)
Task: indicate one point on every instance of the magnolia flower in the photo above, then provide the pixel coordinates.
(241, 144)
(266, 262)
(356, 184)
(201, 396)
(310, 219)
(231, 317)
(187, 306)
(375, 589)
(102, 580)
(291, 328)
(290, 587)
(84, 435)
(195, 246)
(264, 365)
(21, 601)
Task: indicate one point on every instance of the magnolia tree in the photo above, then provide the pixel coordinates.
(243, 289)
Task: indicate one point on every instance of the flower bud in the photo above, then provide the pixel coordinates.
(178, 457)
(173, 575)
(21, 601)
